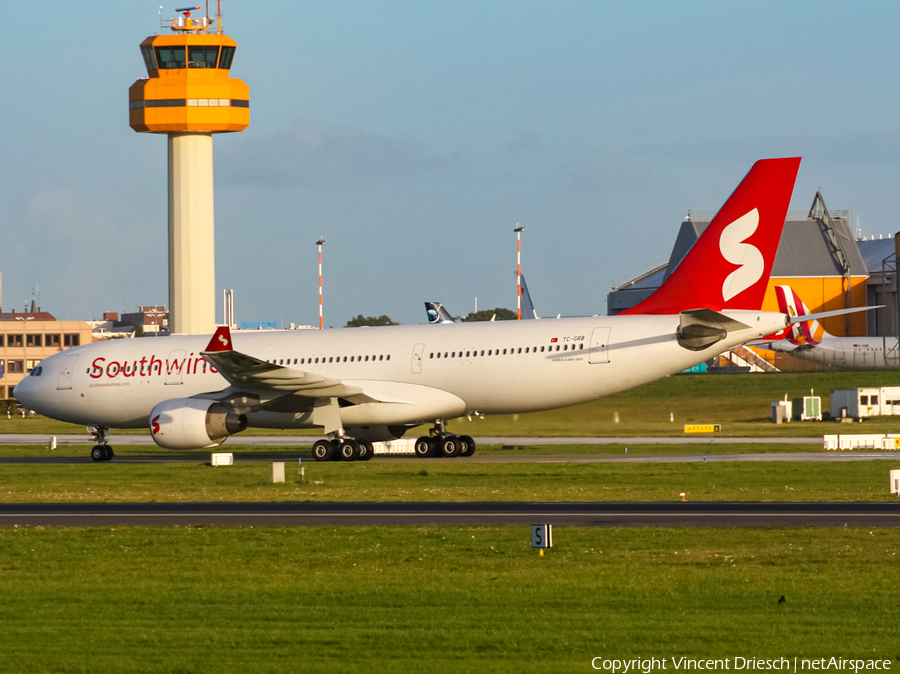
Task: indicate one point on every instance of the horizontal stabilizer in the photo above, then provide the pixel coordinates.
(828, 314)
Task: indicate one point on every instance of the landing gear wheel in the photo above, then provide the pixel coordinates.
(98, 453)
(366, 450)
(424, 447)
(450, 446)
(468, 445)
(322, 450)
(349, 449)
(335, 450)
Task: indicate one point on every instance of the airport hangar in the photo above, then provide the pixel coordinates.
(821, 259)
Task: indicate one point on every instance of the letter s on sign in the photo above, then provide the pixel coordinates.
(97, 368)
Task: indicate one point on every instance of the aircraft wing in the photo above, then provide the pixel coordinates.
(247, 373)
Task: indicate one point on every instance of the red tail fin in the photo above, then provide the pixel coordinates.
(729, 265)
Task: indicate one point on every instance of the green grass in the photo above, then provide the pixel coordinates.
(740, 403)
(412, 480)
(489, 448)
(437, 599)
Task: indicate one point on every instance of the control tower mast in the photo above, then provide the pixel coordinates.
(189, 95)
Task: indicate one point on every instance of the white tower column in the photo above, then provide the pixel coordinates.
(192, 281)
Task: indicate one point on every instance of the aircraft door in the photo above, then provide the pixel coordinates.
(175, 365)
(599, 347)
(64, 383)
(417, 358)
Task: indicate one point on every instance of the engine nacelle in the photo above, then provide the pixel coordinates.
(190, 423)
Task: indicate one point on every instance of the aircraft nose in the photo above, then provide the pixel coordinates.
(24, 391)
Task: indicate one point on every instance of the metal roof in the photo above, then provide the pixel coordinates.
(874, 252)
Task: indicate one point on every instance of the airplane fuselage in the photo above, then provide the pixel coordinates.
(410, 374)
(848, 353)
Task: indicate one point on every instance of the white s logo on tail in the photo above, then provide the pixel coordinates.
(735, 251)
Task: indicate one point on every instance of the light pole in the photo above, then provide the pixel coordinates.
(320, 243)
(518, 230)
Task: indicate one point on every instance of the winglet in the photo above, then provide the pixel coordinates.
(729, 265)
(221, 340)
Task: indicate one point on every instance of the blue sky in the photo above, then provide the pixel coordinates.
(414, 136)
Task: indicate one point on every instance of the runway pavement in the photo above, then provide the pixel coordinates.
(677, 514)
(291, 456)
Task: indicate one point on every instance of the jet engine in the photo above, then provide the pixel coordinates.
(191, 423)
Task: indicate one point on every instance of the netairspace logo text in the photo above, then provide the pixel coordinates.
(736, 664)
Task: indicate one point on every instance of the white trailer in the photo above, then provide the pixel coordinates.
(861, 403)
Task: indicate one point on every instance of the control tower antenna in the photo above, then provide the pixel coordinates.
(189, 95)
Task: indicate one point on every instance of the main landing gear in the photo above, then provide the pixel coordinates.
(442, 443)
(342, 449)
(101, 451)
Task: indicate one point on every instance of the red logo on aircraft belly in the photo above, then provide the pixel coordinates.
(154, 425)
(554, 340)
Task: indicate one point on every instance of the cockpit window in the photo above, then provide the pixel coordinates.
(170, 57)
(36, 372)
(227, 58)
(202, 56)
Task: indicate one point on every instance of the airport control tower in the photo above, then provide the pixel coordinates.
(189, 95)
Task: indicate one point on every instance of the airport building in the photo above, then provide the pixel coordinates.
(821, 259)
(26, 338)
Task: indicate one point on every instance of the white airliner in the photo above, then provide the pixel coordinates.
(362, 385)
(808, 340)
